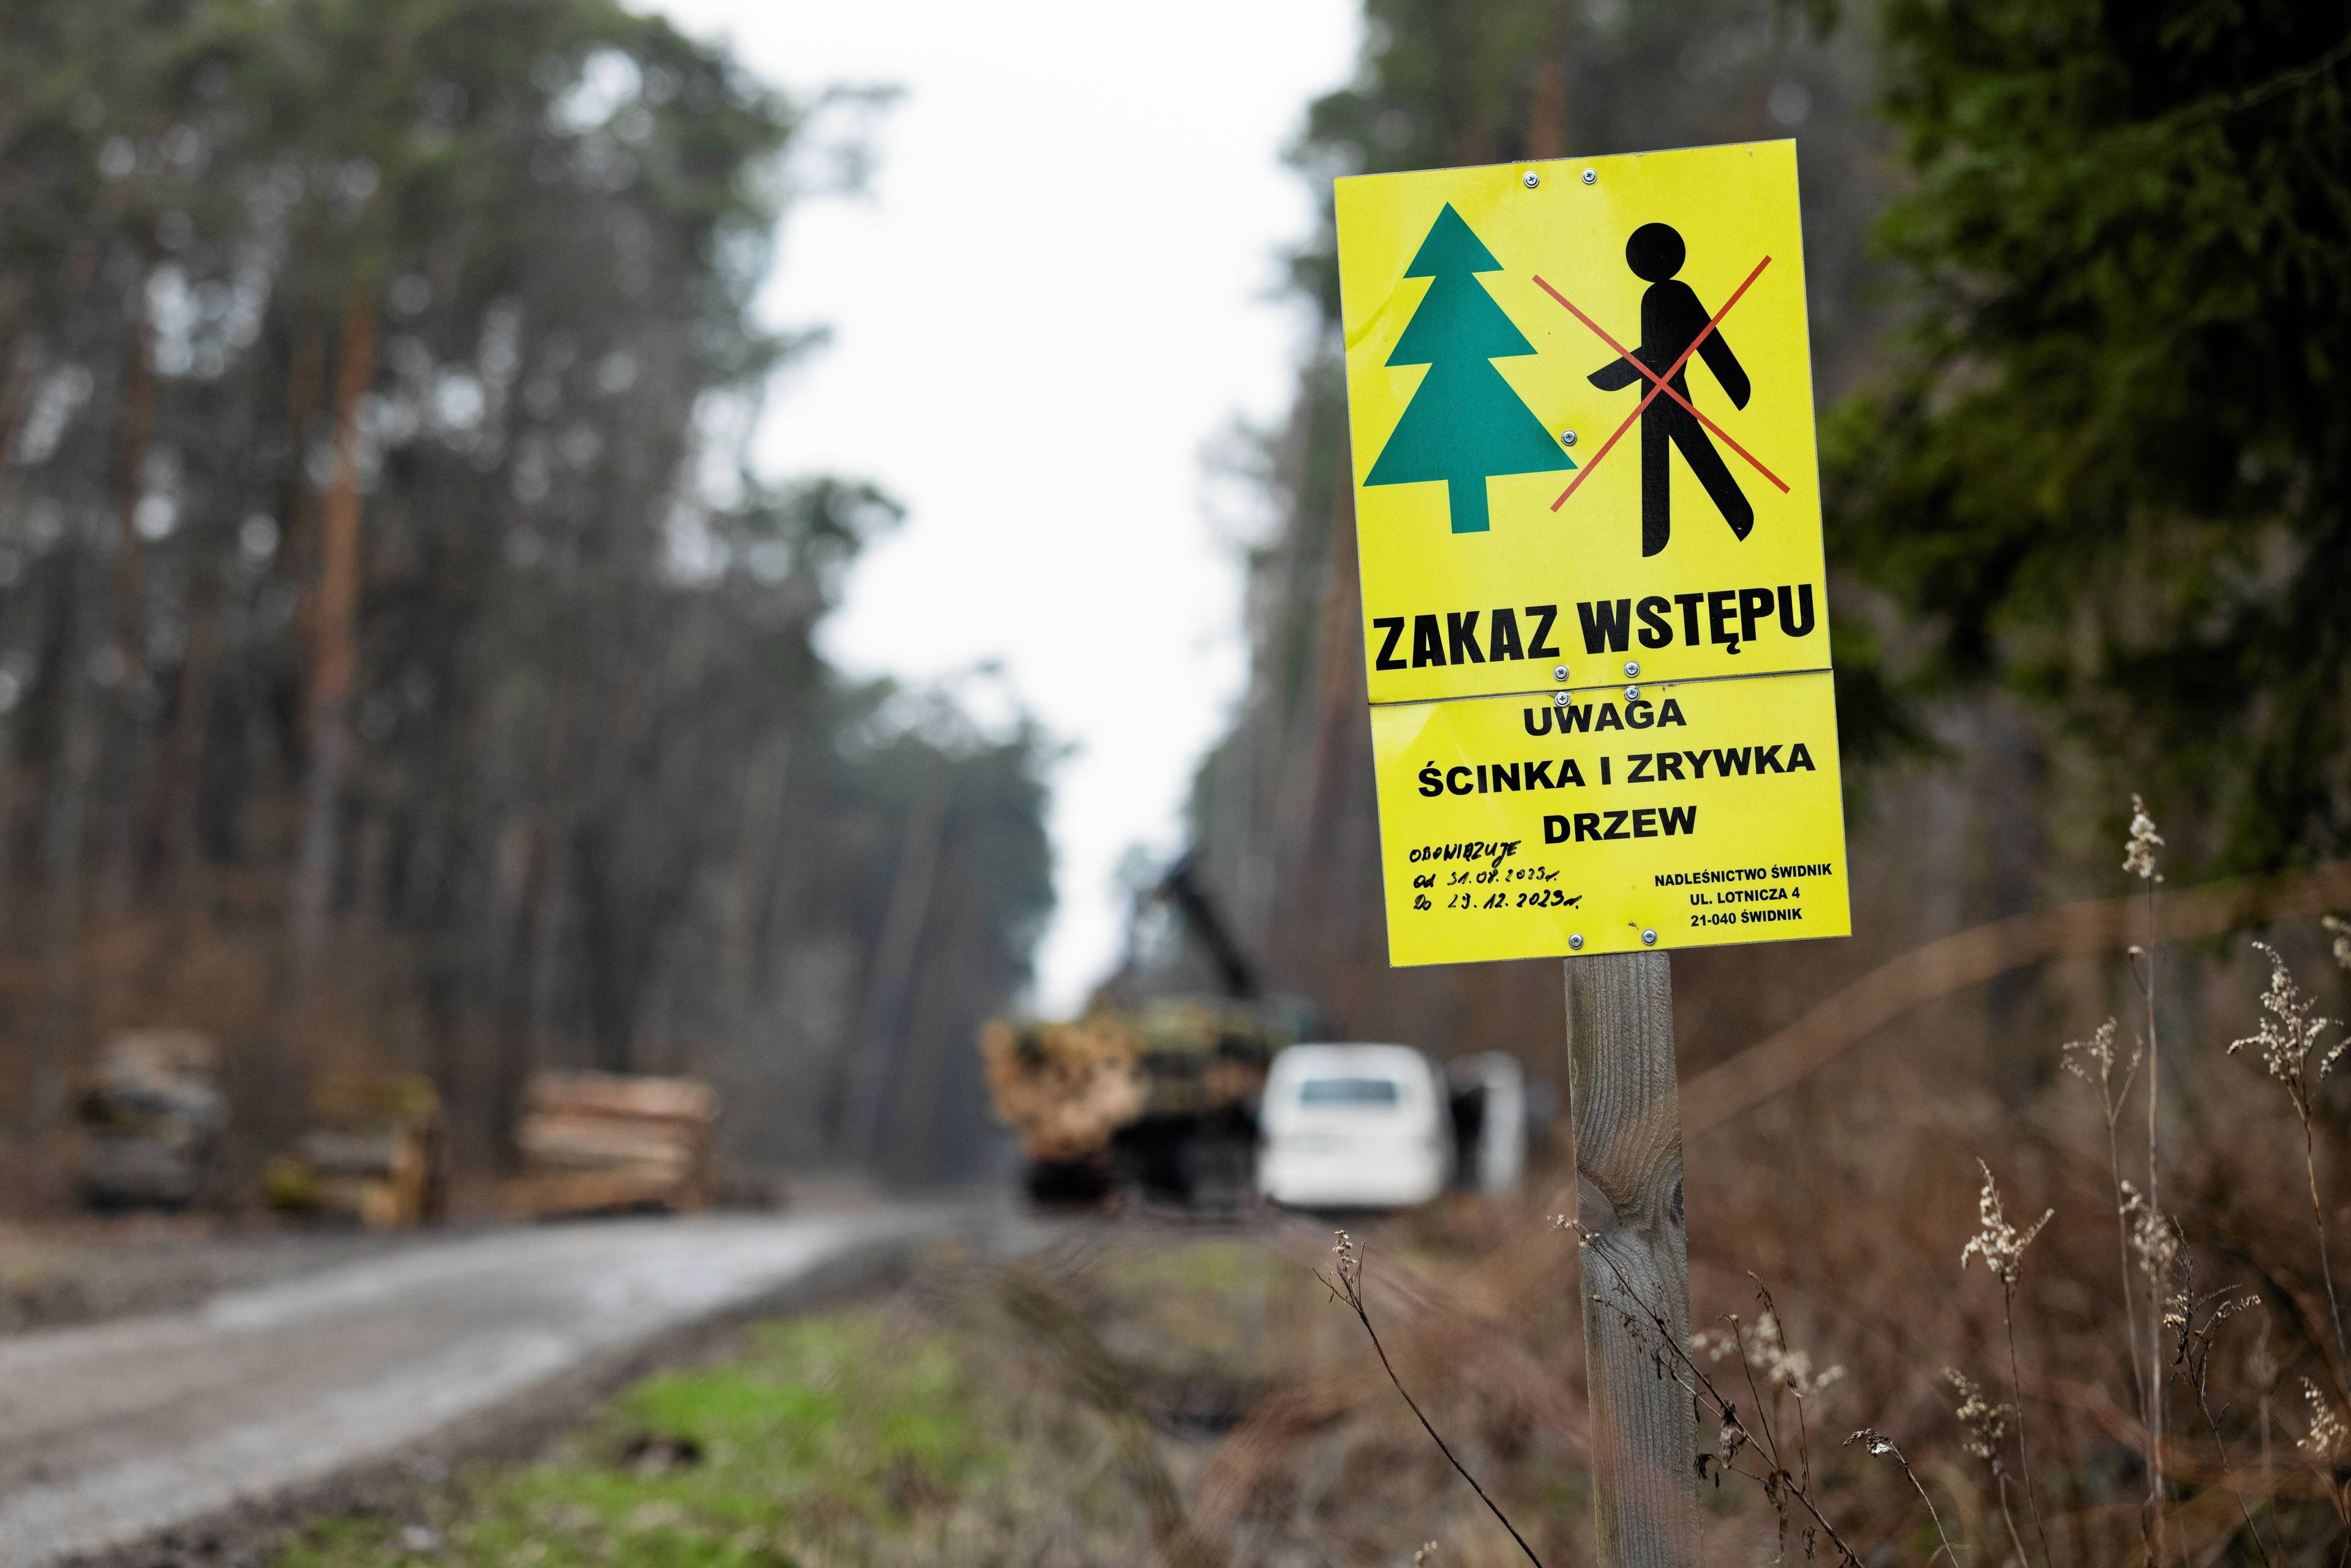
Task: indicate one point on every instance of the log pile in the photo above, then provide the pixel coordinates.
(603, 1142)
(1064, 1088)
(151, 1116)
(1152, 1097)
(1067, 1088)
(375, 1153)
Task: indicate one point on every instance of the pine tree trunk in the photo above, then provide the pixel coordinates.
(530, 938)
(926, 1034)
(130, 550)
(179, 783)
(762, 802)
(334, 658)
(71, 765)
(1547, 106)
(125, 743)
(881, 1039)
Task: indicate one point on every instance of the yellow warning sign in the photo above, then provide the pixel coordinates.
(1581, 399)
(1580, 393)
(1691, 815)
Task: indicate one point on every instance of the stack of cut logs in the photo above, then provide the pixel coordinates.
(602, 1142)
(1064, 1088)
(374, 1152)
(152, 1117)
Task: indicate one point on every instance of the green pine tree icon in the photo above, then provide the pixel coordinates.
(1464, 423)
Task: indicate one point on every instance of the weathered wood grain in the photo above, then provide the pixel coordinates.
(1628, 1163)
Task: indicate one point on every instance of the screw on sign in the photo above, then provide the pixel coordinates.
(1695, 804)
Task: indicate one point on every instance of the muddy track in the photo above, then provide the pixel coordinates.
(113, 1433)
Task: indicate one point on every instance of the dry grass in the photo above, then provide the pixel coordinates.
(2149, 1371)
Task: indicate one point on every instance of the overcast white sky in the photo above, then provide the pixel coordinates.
(1058, 292)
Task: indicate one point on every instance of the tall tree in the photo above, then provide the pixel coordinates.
(2113, 472)
(409, 347)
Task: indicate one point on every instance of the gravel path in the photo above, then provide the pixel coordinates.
(111, 1432)
(84, 1271)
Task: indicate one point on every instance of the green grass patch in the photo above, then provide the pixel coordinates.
(824, 1433)
(964, 1427)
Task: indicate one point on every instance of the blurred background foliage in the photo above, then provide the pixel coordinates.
(398, 667)
(2108, 466)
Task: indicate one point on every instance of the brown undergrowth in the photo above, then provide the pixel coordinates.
(2150, 1366)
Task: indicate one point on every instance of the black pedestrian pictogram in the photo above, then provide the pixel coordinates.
(1672, 323)
(1674, 326)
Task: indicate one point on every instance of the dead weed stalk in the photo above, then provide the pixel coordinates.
(1788, 1372)
(2196, 1322)
(1345, 1283)
(2288, 1038)
(2138, 861)
(2001, 1247)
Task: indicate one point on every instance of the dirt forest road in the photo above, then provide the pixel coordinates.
(111, 1432)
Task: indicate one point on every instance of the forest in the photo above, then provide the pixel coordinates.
(400, 668)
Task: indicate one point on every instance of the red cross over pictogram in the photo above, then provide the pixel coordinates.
(1660, 383)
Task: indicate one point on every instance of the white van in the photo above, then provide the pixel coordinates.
(1353, 1126)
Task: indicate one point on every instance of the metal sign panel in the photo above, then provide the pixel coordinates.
(1699, 813)
(1580, 393)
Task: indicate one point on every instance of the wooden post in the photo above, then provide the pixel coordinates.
(1628, 1167)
